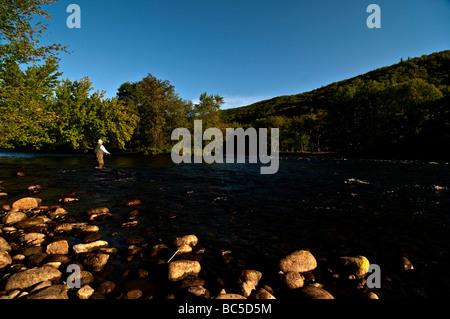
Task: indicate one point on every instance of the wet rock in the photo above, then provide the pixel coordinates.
(135, 202)
(199, 291)
(13, 217)
(91, 237)
(89, 247)
(36, 260)
(406, 264)
(133, 223)
(184, 249)
(263, 294)
(30, 222)
(85, 292)
(358, 265)
(68, 200)
(248, 281)
(35, 188)
(86, 229)
(52, 292)
(181, 269)
(95, 213)
(190, 282)
(27, 203)
(312, 292)
(299, 261)
(294, 280)
(230, 296)
(106, 287)
(134, 294)
(30, 277)
(32, 239)
(5, 259)
(96, 261)
(4, 246)
(58, 213)
(190, 240)
(60, 247)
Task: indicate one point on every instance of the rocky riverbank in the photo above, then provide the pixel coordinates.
(41, 246)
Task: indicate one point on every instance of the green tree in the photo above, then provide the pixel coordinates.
(28, 74)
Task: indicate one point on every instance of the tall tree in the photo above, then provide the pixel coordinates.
(28, 73)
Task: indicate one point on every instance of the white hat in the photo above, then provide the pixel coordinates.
(100, 141)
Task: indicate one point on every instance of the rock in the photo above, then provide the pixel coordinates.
(5, 259)
(198, 291)
(86, 229)
(89, 247)
(311, 292)
(23, 280)
(142, 273)
(35, 188)
(372, 295)
(21, 174)
(298, 261)
(294, 280)
(86, 278)
(97, 212)
(190, 240)
(35, 260)
(91, 237)
(27, 203)
(248, 281)
(130, 224)
(184, 249)
(60, 247)
(181, 269)
(4, 246)
(13, 217)
(58, 213)
(230, 296)
(106, 287)
(96, 261)
(52, 292)
(6, 207)
(32, 239)
(406, 264)
(134, 294)
(263, 294)
(30, 222)
(3, 195)
(68, 200)
(190, 282)
(135, 202)
(358, 265)
(85, 292)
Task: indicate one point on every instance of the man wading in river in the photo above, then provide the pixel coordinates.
(100, 150)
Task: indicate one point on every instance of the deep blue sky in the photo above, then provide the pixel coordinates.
(246, 50)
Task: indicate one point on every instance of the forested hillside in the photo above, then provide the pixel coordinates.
(399, 110)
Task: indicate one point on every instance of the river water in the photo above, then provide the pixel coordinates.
(382, 209)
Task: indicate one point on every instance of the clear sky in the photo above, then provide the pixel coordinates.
(246, 50)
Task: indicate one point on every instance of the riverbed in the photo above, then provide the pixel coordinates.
(381, 209)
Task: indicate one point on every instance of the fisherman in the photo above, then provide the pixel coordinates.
(100, 150)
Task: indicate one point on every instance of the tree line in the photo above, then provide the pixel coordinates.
(403, 108)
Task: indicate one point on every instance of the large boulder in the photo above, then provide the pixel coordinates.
(298, 261)
(30, 277)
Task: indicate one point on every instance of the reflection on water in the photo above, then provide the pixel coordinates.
(378, 208)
